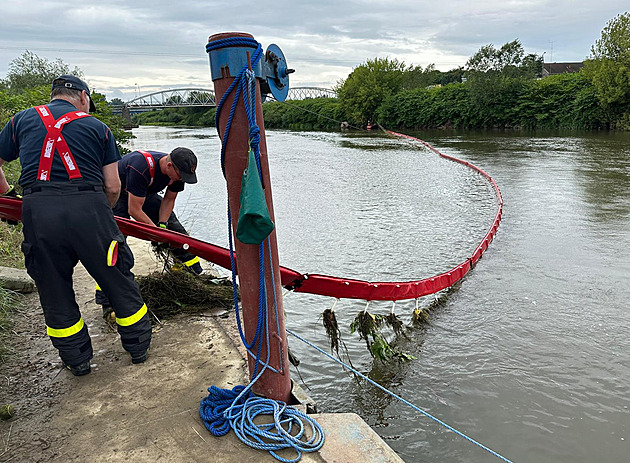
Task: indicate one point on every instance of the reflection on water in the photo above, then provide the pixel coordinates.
(529, 355)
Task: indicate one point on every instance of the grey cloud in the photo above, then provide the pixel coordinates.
(118, 43)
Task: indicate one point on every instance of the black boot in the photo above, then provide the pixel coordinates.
(79, 370)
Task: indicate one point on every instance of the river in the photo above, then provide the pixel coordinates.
(530, 355)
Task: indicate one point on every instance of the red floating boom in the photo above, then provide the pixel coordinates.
(324, 285)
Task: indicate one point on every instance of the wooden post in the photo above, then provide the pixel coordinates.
(272, 385)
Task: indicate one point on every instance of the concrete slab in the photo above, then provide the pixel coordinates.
(350, 439)
(16, 279)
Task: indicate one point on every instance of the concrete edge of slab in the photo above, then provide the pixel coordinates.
(16, 279)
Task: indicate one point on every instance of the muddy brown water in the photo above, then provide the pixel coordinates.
(530, 355)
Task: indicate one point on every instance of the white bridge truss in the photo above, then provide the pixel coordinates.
(204, 97)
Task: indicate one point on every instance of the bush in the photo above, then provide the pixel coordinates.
(309, 114)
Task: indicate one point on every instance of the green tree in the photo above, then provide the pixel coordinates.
(609, 68)
(489, 59)
(29, 70)
(496, 79)
(416, 77)
(453, 76)
(113, 121)
(614, 42)
(28, 84)
(368, 85)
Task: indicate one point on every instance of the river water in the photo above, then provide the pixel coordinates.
(530, 355)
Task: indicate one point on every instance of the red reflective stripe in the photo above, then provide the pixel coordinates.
(150, 162)
(48, 149)
(54, 140)
(68, 160)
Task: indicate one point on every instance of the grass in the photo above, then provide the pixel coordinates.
(10, 242)
(11, 235)
(10, 256)
(8, 301)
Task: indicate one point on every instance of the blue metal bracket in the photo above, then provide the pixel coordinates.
(275, 73)
(228, 62)
(272, 71)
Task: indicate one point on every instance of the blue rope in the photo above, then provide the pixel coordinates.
(236, 409)
(427, 414)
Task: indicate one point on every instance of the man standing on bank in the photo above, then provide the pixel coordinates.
(70, 181)
(143, 175)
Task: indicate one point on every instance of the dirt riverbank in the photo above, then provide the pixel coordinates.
(119, 412)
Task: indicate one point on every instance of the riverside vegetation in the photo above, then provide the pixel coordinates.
(497, 88)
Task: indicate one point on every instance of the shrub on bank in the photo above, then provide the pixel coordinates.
(566, 101)
(195, 117)
(309, 114)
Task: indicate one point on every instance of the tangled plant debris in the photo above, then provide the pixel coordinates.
(176, 291)
(332, 329)
(368, 326)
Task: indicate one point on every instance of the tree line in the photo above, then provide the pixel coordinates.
(28, 82)
(497, 88)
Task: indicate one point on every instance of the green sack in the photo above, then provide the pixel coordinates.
(254, 222)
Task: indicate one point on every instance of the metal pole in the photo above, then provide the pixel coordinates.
(272, 385)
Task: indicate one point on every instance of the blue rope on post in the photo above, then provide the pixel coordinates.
(236, 409)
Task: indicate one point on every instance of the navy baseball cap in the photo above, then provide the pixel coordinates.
(74, 83)
(186, 162)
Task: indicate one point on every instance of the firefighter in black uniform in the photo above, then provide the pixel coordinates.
(70, 181)
(143, 174)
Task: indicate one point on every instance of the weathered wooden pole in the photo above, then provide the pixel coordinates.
(225, 63)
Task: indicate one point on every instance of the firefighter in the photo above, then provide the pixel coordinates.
(70, 181)
(143, 174)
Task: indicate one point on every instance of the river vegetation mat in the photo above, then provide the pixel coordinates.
(173, 292)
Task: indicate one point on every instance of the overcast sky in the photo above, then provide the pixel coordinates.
(131, 47)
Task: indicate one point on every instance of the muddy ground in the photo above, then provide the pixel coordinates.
(119, 412)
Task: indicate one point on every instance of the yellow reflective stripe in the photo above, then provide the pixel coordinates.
(133, 318)
(98, 288)
(65, 332)
(192, 262)
(110, 253)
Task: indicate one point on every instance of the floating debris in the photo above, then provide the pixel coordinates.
(332, 329)
(368, 326)
(395, 323)
(172, 292)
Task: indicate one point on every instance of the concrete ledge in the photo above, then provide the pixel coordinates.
(16, 279)
(350, 439)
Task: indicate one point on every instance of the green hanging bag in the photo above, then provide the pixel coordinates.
(254, 222)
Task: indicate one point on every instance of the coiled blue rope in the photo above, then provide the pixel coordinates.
(406, 402)
(236, 409)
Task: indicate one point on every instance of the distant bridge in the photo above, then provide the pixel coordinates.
(303, 93)
(202, 97)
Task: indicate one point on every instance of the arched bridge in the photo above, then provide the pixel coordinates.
(204, 97)
(175, 98)
(302, 93)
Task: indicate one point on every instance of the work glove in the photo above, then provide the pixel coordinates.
(158, 246)
(12, 193)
